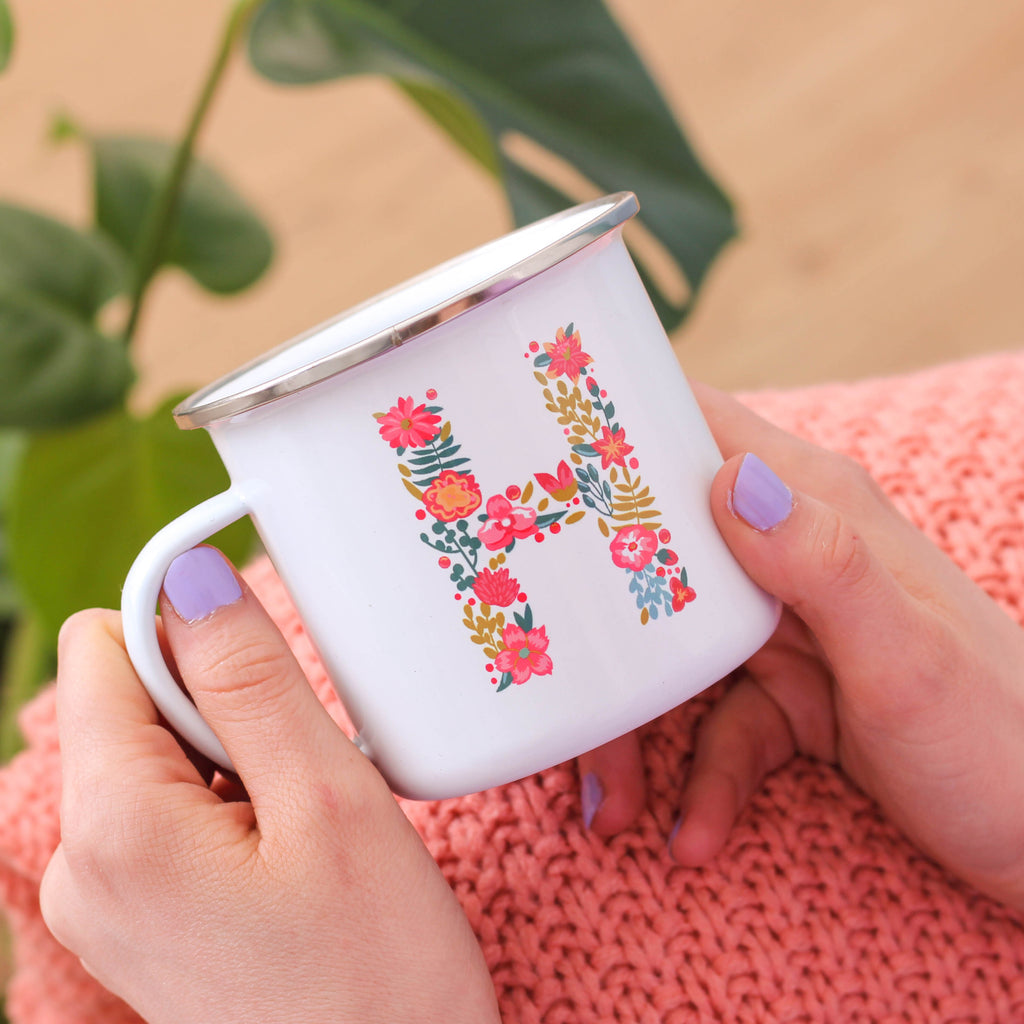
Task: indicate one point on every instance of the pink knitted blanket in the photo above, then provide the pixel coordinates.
(817, 910)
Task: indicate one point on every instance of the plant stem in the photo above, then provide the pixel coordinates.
(160, 220)
(24, 668)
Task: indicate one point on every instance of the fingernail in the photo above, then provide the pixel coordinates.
(591, 795)
(199, 582)
(672, 835)
(759, 497)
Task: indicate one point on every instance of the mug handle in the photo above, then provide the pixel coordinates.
(138, 610)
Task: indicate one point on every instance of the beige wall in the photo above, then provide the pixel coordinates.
(875, 150)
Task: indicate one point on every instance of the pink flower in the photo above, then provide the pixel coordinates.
(506, 522)
(681, 594)
(496, 588)
(406, 426)
(452, 496)
(562, 487)
(633, 547)
(612, 447)
(523, 654)
(567, 355)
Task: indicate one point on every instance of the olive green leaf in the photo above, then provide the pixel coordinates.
(6, 34)
(11, 445)
(44, 256)
(86, 500)
(561, 76)
(217, 238)
(55, 366)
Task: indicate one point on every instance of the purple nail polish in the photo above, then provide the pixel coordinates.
(199, 582)
(672, 835)
(591, 795)
(759, 497)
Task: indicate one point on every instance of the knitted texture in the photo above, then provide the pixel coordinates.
(816, 911)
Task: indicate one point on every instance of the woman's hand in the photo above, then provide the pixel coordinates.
(888, 661)
(304, 896)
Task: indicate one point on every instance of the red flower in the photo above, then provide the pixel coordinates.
(567, 355)
(682, 595)
(562, 487)
(634, 547)
(405, 426)
(523, 654)
(506, 522)
(612, 447)
(452, 496)
(496, 588)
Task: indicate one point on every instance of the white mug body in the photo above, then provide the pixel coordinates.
(358, 551)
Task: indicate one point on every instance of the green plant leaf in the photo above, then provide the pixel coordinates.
(86, 500)
(55, 366)
(55, 369)
(561, 75)
(46, 257)
(12, 444)
(6, 34)
(217, 238)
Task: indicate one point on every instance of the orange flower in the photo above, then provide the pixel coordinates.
(452, 496)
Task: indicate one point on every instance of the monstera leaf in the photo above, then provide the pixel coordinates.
(55, 365)
(561, 75)
(217, 238)
(86, 500)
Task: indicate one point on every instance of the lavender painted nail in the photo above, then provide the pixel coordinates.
(591, 795)
(672, 835)
(759, 497)
(199, 582)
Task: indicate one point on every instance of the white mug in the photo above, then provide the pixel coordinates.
(487, 493)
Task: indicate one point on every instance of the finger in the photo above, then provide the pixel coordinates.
(612, 785)
(109, 727)
(56, 896)
(247, 684)
(738, 429)
(815, 560)
(744, 738)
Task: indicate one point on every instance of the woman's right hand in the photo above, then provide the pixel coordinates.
(888, 661)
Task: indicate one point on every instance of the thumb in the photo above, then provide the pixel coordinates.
(245, 681)
(813, 558)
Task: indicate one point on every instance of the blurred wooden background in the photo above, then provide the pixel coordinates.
(875, 152)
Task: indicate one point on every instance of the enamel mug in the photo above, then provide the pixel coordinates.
(487, 493)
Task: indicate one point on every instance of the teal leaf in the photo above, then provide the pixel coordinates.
(524, 621)
(561, 76)
(504, 682)
(544, 521)
(86, 500)
(217, 237)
